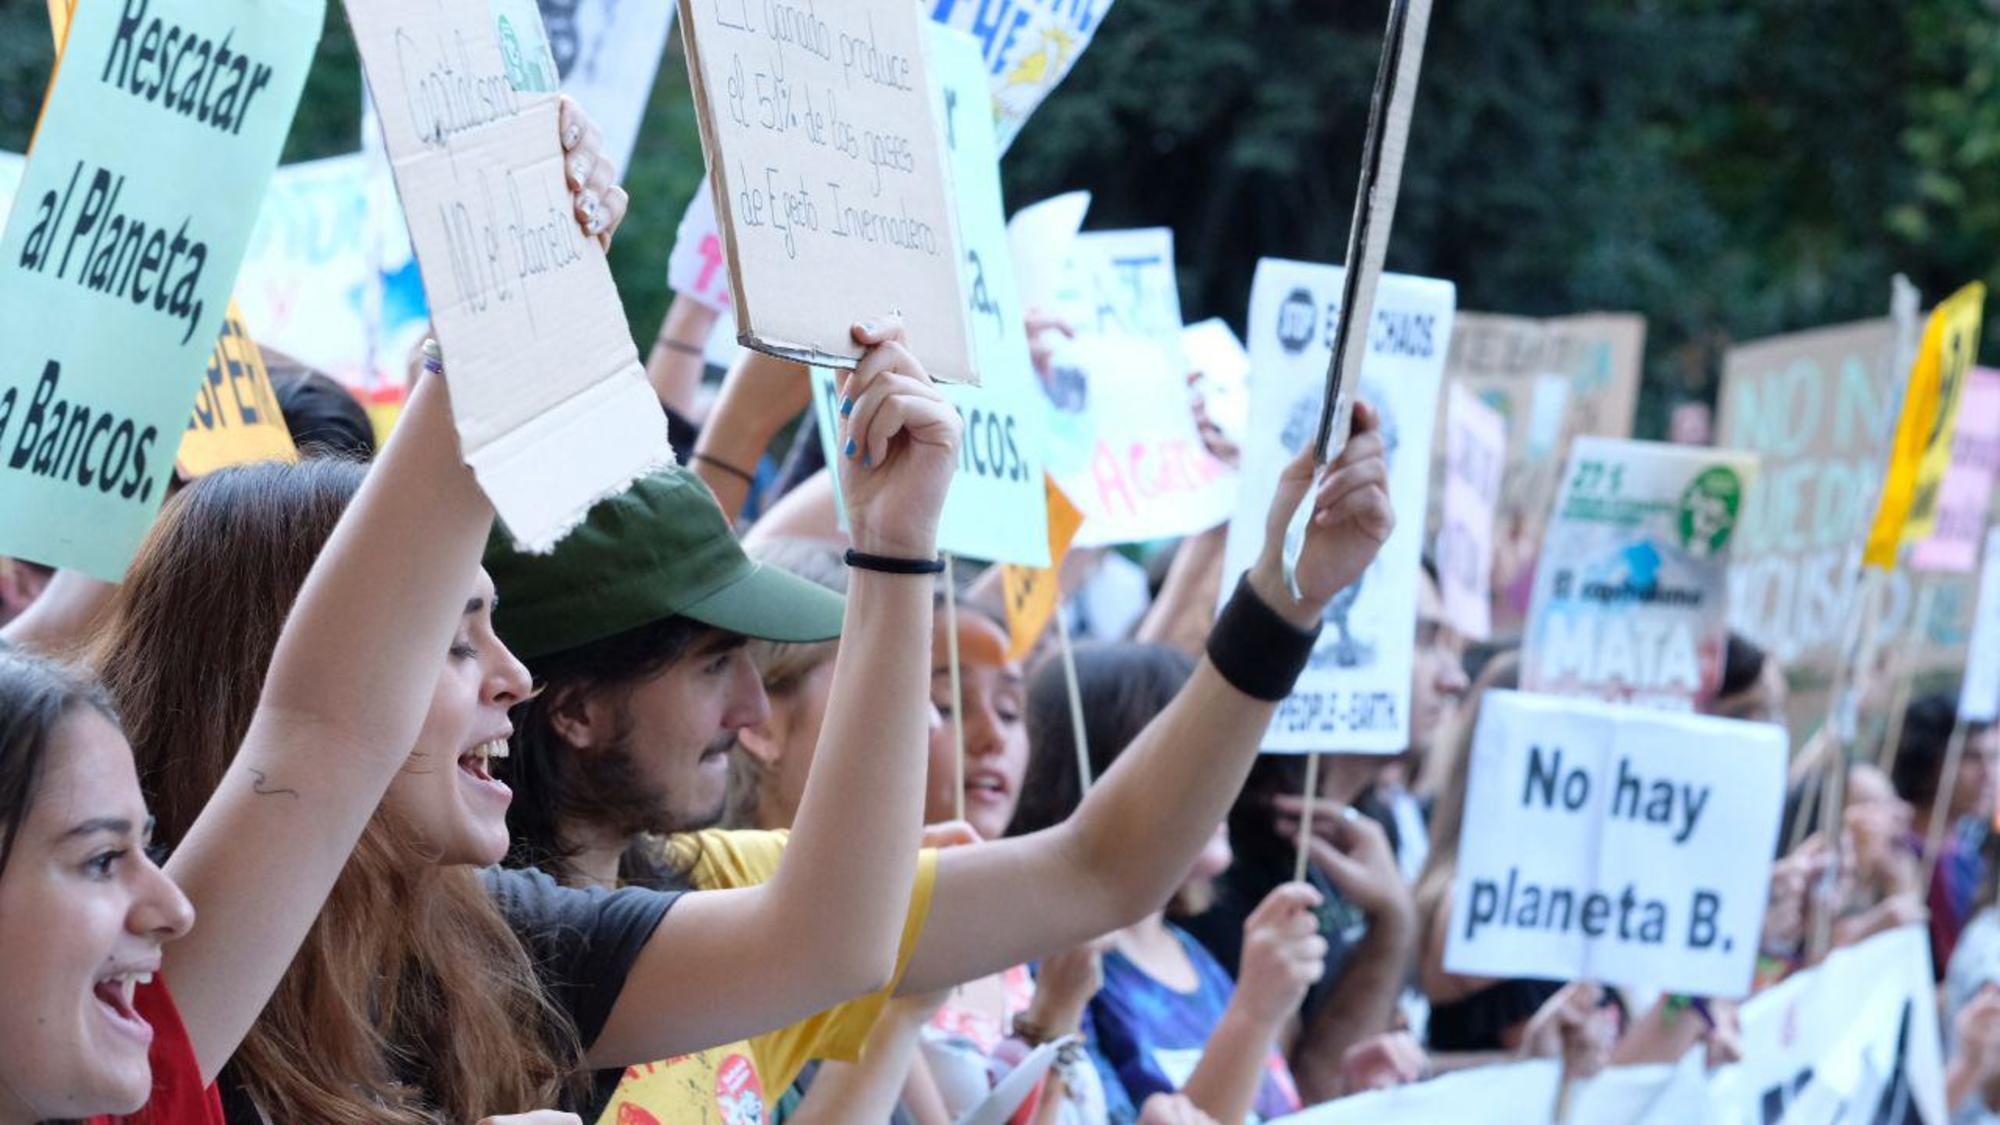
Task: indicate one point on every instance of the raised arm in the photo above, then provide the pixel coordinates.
(1130, 842)
(61, 620)
(675, 364)
(349, 685)
(729, 964)
(759, 396)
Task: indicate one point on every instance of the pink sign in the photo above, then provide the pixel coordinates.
(1968, 485)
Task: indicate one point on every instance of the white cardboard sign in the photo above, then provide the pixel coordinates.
(1979, 695)
(1615, 844)
(1354, 696)
(827, 167)
(552, 406)
(1475, 437)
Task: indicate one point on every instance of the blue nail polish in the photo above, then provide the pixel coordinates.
(850, 447)
(868, 460)
(846, 405)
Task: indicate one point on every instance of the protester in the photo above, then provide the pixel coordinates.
(323, 417)
(1167, 1016)
(1962, 824)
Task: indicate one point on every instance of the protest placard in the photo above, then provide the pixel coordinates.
(607, 53)
(997, 506)
(236, 419)
(1979, 692)
(1354, 695)
(1496, 1094)
(827, 168)
(1967, 491)
(1028, 46)
(1551, 379)
(1475, 456)
(131, 217)
(1631, 598)
(552, 407)
(1041, 237)
(697, 268)
(1906, 509)
(1032, 593)
(1221, 369)
(1615, 844)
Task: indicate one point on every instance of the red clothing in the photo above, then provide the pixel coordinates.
(178, 1098)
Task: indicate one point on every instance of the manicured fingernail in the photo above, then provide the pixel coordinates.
(846, 405)
(572, 135)
(868, 459)
(850, 447)
(595, 224)
(590, 202)
(867, 328)
(579, 167)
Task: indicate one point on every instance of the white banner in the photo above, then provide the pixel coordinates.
(1503, 1094)
(1615, 844)
(1475, 437)
(1028, 47)
(1354, 696)
(1631, 596)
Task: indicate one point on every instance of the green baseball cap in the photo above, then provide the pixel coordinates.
(659, 549)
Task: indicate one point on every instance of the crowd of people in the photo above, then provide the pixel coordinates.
(339, 808)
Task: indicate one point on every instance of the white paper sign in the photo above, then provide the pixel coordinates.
(552, 407)
(1223, 365)
(1615, 844)
(1475, 437)
(1979, 695)
(1502, 1094)
(1028, 47)
(1354, 696)
(1041, 237)
(1631, 598)
(697, 268)
(998, 505)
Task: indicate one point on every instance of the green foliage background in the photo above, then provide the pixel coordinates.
(1730, 168)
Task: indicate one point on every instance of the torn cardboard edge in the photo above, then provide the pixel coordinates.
(597, 431)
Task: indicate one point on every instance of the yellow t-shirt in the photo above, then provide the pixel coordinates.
(736, 1084)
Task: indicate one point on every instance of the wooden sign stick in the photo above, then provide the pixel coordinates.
(957, 697)
(1382, 152)
(1306, 817)
(1075, 699)
(1906, 682)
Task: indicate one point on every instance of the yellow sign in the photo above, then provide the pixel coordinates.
(1907, 510)
(1032, 591)
(236, 418)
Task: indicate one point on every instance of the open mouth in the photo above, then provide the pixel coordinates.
(987, 787)
(114, 998)
(476, 760)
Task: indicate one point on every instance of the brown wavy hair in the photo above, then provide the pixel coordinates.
(407, 1001)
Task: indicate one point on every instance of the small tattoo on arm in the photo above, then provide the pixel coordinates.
(259, 785)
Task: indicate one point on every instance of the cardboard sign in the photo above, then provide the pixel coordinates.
(1967, 491)
(1631, 598)
(1816, 408)
(1979, 692)
(1617, 845)
(236, 419)
(552, 406)
(119, 253)
(1475, 458)
(1907, 508)
(1552, 380)
(1354, 696)
(827, 166)
(997, 506)
(1033, 592)
(697, 268)
(1028, 46)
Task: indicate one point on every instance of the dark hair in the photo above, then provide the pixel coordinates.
(1920, 757)
(323, 417)
(1123, 686)
(229, 552)
(1742, 665)
(35, 697)
(552, 783)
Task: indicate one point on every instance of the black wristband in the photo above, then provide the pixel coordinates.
(720, 465)
(885, 565)
(1260, 653)
(681, 346)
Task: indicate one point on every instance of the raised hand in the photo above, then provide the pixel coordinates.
(1354, 854)
(597, 200)
(1351, 520)
(1574, 1026)
(899, 446)
(1283, 954)
(1172, 1109)
(1382, 1062)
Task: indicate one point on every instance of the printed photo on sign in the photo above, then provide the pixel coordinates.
(1614, 844)
(1631, 596)
(552, 406)
(826, 159)
(118, 256)
(1354, 696)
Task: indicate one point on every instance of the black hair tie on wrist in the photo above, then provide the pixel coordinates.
(884, 564)
(1260, 653)
(720, 465)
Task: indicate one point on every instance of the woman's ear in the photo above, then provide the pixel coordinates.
(765, 741)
